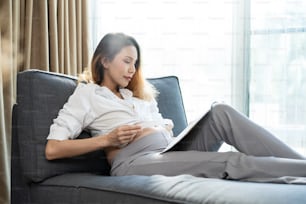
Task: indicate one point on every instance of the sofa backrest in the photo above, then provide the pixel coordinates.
(40, 96)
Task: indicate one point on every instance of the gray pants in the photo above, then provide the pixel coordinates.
(262, 156)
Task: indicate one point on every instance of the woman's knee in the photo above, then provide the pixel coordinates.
(222, 112)
(221, 108)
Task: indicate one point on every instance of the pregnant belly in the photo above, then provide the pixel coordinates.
(111, 152)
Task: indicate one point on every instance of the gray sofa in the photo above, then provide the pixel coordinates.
(85, 179)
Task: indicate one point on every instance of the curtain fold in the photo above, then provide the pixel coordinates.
(50, 35)
(68, 36)
(9, 17)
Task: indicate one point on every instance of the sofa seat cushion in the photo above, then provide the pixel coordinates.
(163, 189)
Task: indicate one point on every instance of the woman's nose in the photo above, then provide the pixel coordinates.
(132, 68)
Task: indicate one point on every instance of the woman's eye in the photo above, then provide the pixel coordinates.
(127, 61)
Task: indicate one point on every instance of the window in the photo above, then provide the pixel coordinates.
(248, 53)
(278, 69)
(189, 39)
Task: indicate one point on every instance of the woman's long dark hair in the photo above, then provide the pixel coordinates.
(109, 46)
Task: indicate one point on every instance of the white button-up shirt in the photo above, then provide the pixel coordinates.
(99, 110)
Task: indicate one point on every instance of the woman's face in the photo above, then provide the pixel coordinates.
(121, 69)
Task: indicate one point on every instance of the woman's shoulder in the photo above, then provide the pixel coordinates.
(83, 90)
(85, 87)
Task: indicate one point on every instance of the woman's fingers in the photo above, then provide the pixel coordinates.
(127, 138)
(130, 127)
(124, 140)
(124, 134)
(128, 133)
(129, 130)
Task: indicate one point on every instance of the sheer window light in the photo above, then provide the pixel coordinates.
(189, 39)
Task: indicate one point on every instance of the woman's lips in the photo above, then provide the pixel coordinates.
(128, 78)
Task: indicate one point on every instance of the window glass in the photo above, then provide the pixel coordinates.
(281, 15)
(278, 69)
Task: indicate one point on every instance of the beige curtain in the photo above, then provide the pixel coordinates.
(50, 35)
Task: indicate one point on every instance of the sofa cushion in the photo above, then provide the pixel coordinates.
(88, 188)
(170, 102)
(40, 96)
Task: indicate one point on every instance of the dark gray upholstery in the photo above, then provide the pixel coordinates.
(85, 179)
(40, 96)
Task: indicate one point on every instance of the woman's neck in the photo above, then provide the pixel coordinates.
(114, 89)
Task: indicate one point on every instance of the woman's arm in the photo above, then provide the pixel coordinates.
(56, 149)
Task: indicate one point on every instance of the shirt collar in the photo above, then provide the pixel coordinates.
(106, 92)
(126, 93)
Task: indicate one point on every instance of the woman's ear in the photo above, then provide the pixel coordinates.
(105, 62)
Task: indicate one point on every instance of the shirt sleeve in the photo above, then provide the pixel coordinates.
(75, 115)
(156, 115)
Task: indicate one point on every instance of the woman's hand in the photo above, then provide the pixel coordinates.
(123, 135)
(56, 149)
